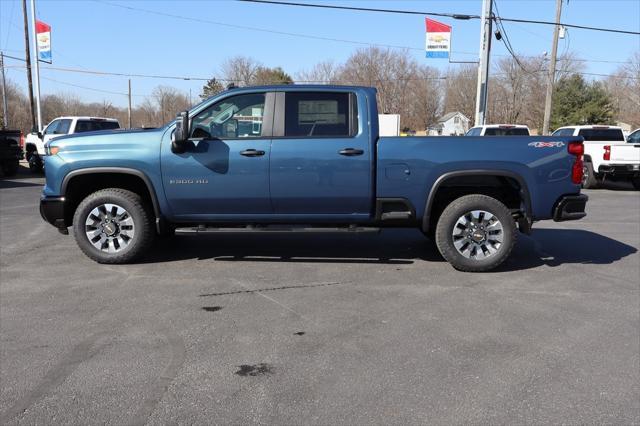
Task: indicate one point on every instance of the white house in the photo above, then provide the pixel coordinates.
(450, 124)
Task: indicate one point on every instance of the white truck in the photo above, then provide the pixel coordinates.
(35, 142)
(499, 130)
(607, 155)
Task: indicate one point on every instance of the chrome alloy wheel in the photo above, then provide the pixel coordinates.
(109, 228)
(585, 174)
(477, 235)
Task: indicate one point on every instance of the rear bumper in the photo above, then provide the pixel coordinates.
(570, 207)
(52, 211)
(620, 169)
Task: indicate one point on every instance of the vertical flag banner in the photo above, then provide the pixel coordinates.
(438, 39)
(43, 35)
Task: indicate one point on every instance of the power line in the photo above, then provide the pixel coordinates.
(264, 30)
(448, 15)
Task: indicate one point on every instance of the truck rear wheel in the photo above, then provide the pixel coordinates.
(589, 179)
(475, 233)
(113, 226)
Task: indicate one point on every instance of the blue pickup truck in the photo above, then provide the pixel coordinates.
(306, 158)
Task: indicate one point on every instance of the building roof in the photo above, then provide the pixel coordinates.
(448, 116)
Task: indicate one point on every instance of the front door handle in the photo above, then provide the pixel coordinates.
(252, 153)
(350, 152)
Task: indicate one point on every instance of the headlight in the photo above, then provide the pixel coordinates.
(51, 150)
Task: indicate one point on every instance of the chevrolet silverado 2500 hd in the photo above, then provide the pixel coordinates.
(306, 158)
(607, 155)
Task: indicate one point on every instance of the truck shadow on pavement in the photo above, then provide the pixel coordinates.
(550, 247)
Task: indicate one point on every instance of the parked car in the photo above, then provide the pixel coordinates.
(317, 164)
(499, 130)
(11, 142)
(607, 155)
(35, 143)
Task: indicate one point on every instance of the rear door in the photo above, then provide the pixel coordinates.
(321, 156)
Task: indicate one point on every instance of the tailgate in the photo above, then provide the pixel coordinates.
(627, 153)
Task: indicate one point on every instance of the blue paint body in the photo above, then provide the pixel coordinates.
(306, 180)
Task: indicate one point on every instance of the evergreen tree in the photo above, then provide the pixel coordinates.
(576, 101)
(212, 87)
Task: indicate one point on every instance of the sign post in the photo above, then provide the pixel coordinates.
(438, 44)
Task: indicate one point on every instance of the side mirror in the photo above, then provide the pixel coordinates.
(181, 133)
(39, 135)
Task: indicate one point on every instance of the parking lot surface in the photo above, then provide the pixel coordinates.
(321, 329)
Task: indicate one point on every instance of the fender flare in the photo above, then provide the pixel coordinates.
(119, 170)
(525, 195)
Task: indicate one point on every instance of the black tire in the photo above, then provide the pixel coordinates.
(137, 209)
(10, 167)
(636, 183)
(456, 210)
(35, 163)
(589, 180)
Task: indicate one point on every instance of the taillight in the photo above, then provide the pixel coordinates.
(577, 149)
(607, 153)
(21, 140)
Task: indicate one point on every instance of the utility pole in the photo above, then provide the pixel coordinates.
(5, 120)
(37, 62)
(483, 66)
(552, 71)
(28, 60)
(129, 103)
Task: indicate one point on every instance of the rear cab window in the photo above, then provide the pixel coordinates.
(506, 131)
(475, 131)
(320, 114)
(610, 135)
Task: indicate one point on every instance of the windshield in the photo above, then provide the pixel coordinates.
(499, 131)
(613, 135)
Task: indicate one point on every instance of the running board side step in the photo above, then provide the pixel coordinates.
(275, 229)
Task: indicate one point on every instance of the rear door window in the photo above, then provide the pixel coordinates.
(563, 132)
(602, 135)
(94, 125)
(318, 114)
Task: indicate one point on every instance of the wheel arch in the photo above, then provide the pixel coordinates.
(117, 175)
(523, 190)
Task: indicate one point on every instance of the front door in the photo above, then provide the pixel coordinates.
(320, 157)
(224, 171)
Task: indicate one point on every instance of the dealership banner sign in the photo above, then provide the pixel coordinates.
(438, 39)
(43, 35)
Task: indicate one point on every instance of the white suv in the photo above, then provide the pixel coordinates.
(35, 142)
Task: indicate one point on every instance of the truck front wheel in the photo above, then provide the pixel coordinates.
(475, 233)
(113, 226)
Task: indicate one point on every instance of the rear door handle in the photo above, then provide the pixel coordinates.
(350, 152)
(252, 153)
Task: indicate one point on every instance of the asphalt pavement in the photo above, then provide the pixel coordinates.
(321, 329)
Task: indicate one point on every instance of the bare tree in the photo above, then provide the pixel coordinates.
(460, 92)
(326, 72)
(169, 102)
(240, 70)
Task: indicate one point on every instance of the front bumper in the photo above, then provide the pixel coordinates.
(52, 211)
(570, 207)
(632, 170)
